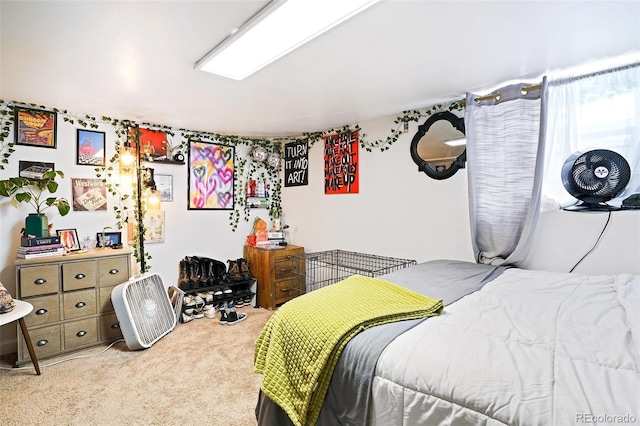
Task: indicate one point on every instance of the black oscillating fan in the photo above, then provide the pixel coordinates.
(595, 177)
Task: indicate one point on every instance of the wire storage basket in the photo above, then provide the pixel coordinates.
(327, 267)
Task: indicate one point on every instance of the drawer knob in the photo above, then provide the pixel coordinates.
(81, 333)
(42, 342)
(113, 271)
(80, 305)
(115, 325)
(40, 281)
(80, 276)
(41, 311)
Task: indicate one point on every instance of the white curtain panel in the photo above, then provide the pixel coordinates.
(600, 110)
(505, 151)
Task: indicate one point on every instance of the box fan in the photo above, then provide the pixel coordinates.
(144, 310)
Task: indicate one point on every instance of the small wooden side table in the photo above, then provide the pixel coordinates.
(21, 310)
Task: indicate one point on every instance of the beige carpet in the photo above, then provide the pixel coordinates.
(201, 373)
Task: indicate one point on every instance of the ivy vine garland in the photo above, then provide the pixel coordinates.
(246, 168)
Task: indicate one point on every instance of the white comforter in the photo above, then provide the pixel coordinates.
(530, 348)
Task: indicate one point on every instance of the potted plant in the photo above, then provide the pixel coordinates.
(32, 191)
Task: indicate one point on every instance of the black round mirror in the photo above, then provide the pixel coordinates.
(439, 147)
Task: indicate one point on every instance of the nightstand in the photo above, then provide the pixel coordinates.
(280, 278)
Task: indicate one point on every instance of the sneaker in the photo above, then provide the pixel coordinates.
(227, 290)
(234, 317)
(187, 315)
(223, 316)
(247, 300)
(209, 311)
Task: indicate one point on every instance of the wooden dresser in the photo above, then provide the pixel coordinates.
(280, 277)
(71, 298)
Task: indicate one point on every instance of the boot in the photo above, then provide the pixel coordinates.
(194, 276)
(245, 273)
(205, 273)
(234, 271)
(183, 280)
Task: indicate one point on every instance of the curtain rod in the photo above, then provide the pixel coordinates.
(594, 74)
(496, 95)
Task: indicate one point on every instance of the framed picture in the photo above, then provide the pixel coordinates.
(110, 239)
(211, 175)
(154, 224)
(69, 237)
(35, 127)
(88, 194)
(153, 143)
(90, 148)
(164, 184)
(34, 169)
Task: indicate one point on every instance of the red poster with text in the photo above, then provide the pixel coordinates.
(341, 163)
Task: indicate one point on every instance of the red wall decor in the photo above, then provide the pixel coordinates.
(341, 163)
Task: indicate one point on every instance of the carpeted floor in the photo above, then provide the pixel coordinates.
(200, 373)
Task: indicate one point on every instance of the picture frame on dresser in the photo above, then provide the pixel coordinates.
(69, 237)
(110, 239)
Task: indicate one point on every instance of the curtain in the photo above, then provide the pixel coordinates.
(600, 110)
(505, 152)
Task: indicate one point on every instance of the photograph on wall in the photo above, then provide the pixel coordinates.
(153, 142)
(34, 169)
(35, 127)
(341, 163)
(154, 225)
(90, 148)
(211, 175)
(296, 163)
(88, 194)
(164, 184)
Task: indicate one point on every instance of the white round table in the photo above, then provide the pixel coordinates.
(21, 310)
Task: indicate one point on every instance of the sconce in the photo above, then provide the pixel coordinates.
(127, 157)
(153, 195)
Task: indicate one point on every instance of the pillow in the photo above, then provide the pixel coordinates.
(6, 301)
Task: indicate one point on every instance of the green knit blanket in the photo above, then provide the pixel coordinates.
(299, 346)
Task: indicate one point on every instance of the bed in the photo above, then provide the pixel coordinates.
(510, 347)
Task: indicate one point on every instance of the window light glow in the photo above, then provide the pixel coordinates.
(269, 36)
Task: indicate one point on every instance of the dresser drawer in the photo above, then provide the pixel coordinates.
(46, 341)
(37, 280)
(77, 275)
(287, 289)
(46, 309)
(113, 271)
(104, 299)
(284, 268)
(79, 303)
(80, 333)
(110, 327)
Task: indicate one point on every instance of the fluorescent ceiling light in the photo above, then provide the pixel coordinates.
(279, 28)
(456, 141)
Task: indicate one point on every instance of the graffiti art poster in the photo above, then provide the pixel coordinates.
(341, 163)
(211, 176)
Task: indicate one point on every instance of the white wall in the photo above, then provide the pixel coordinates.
(399, 212)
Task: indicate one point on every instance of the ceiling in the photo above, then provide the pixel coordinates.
(135, 59)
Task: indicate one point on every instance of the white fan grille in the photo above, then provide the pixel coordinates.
(150, 314)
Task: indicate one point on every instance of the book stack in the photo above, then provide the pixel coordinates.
(33, 248)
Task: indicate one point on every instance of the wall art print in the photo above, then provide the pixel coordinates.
(154, 144)
(88, 194)
(341, 163)
(34, 169)
(155, 226)
(211, 175)
(91, 148)
(35, 127)
(296, 163)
